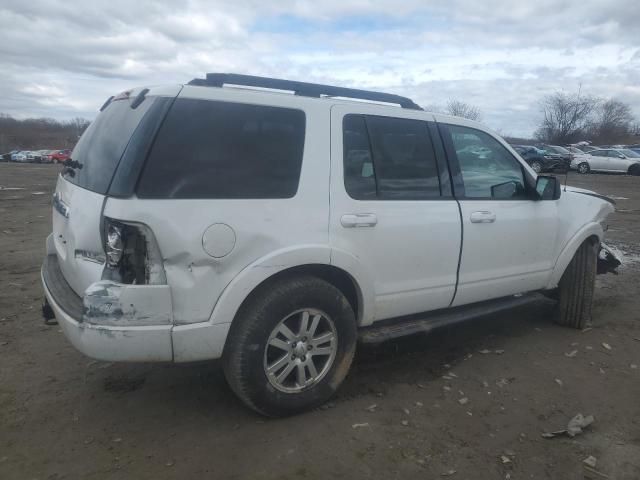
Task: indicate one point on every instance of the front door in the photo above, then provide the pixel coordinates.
(391, 208)
(508, 236)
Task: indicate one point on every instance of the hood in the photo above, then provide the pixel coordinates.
(591, 193)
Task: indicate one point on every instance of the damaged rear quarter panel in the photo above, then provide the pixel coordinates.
(261, 226)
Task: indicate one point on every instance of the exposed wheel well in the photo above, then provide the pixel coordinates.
(333, 275)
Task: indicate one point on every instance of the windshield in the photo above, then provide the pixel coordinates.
(630, 153)
(560, 149)
(99, 149)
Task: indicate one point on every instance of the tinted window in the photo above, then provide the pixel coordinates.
(488, 169)
(359, 177)
(599, 153)
(103, 143)
(389, 158)
(208, 149)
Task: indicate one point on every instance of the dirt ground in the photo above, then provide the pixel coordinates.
(64, 416)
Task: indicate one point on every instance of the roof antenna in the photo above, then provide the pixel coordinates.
(566, 172)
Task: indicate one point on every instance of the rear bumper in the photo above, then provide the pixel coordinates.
(148, 343)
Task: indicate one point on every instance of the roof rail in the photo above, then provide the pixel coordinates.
(301, 88)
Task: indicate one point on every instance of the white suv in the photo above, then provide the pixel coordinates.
(273, 230)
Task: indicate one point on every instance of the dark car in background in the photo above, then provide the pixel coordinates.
(565, 155)
(539, 160)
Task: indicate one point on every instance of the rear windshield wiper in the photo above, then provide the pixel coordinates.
(70, 166)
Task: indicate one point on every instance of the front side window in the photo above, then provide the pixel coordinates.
(488, 169)
(212, 149)
(388, 158)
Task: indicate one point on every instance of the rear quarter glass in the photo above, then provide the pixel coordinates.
(214, 149)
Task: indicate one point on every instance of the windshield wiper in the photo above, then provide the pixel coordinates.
(70, 166)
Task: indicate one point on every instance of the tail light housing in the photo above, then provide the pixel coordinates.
(132, 254)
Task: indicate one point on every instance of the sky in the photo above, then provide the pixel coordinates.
(62, 59)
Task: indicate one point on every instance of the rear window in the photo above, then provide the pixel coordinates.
(212, 149)
(101, 146)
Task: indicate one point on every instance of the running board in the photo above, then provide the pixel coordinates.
(400, 327)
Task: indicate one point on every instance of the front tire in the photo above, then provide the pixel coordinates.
(634, 170)
(290, 346)
(536, 166)
(576, 288)
(584, 168)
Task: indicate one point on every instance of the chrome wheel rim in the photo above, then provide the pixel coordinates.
(300, 350)
(583, 168)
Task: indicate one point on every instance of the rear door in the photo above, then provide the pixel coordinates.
(392, 207)
(82, 188)
(509, 237)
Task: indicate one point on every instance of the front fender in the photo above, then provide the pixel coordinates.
(589, 230)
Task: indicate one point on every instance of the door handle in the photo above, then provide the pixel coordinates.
(483, 216)
(356, 220)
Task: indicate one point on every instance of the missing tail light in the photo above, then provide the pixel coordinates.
(132, 254)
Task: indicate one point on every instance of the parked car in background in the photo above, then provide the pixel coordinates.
(564, 154)
(609, 160)
(6, 157)
(60, 156)
(634, 148)
(538, 159)
(19, 157)
(45, 156)
(33, 156)
(132, 274)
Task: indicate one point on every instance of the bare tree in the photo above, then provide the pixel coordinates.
(565, 117)
(613, 121)
(458, 108)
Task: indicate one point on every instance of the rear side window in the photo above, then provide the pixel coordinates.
(388, 158)
(211, 149)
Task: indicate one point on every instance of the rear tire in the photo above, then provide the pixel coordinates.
(584, 168)
(634, 170)
(576, 288)
(256, 346)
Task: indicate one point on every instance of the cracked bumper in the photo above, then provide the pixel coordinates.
(147, 343)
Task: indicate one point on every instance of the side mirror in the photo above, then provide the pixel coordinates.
(547, 188)
(621, 156)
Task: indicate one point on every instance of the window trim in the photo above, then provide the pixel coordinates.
(456, 172)
(441, 165)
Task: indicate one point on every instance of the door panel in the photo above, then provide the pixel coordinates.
(508, 237)
(510, 255)
(410, 247)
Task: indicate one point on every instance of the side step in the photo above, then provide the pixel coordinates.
(399, 327)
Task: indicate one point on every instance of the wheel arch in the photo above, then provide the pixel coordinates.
(591, 232)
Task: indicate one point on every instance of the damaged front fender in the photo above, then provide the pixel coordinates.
(608, 261)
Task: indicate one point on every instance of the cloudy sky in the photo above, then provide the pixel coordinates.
(63, 58)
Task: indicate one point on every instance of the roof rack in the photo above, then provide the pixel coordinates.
(301, 88)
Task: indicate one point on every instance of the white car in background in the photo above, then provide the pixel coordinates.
(19, 157)
(609, 160)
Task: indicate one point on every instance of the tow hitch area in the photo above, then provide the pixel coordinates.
(47, 313)
(608, 261)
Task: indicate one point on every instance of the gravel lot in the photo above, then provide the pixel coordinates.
(63, 415)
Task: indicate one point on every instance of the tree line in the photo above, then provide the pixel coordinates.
(574, 117)
(39, 133)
